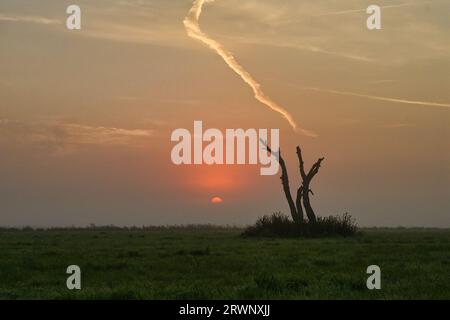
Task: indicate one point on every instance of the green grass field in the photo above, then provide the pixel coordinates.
(219, 264)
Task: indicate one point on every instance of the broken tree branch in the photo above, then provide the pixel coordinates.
(285, 182)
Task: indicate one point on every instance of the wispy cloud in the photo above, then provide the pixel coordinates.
(83, 134)
(298, 25)
(63, 137)
(380, 98)
(138, 34)
(340, 12)
(29, 19)
(144, 25)
(292, 44)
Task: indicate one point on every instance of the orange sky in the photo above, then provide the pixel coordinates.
(86, 116)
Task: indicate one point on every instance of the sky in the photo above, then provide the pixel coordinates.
(86, 115)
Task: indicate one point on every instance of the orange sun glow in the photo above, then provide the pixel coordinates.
(216, 200)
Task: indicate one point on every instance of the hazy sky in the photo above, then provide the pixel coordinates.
(86, 115)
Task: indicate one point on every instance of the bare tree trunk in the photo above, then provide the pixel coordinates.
(306, 183)
(307, 204)
(286, 188)
(287, 191)
(298, 204)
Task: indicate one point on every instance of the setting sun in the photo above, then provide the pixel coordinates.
(216, 200)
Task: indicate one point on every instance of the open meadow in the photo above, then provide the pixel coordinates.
(217, 263)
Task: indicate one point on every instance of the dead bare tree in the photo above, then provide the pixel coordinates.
(297, 215)
(306, 182)
(303, 191)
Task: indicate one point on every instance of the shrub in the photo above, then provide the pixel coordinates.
(280, 225)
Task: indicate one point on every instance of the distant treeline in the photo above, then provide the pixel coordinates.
(181, 227)
(93, 227)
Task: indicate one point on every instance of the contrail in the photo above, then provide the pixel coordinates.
(191, 23)
(408, 4)
(396, 100)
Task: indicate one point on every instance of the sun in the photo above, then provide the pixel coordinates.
(216, 200)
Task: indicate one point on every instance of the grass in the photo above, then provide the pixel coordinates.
(280, 225)
(217, 263)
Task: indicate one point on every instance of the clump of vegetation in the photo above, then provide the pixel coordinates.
(280, 225)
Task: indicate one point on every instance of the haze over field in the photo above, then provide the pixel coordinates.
(86, 116)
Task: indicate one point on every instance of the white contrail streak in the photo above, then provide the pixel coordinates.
(191, 23)
(396, 100)
(409, 4)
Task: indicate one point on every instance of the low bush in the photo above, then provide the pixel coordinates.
(280, 225)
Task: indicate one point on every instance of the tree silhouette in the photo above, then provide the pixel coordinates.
(303, 191)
